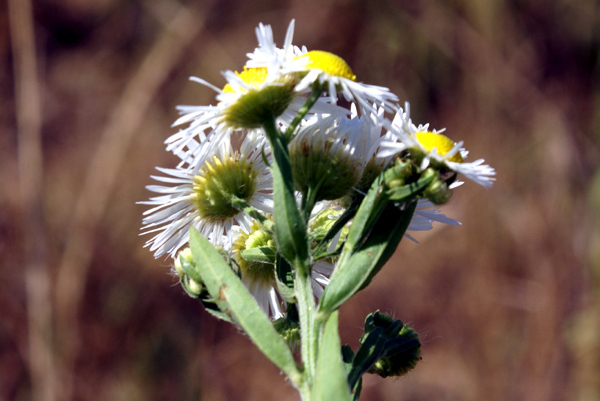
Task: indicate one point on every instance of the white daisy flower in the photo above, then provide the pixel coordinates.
(248, 98)
(433, 148)
(317, 67)
(328, 155)
(245, 102)
(372, 139)
(202, 198)
(334, 74)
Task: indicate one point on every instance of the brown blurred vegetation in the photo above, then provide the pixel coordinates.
(508, 304)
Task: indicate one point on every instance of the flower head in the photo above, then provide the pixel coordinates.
(247, 99)
(333, 74)
(205, 197)
(433, 148)
(328, 156)
(317, 67)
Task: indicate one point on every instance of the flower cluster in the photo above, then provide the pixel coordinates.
(223, 186)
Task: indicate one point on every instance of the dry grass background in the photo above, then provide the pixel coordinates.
(508, 304)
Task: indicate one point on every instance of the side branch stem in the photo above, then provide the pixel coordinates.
(310, 102)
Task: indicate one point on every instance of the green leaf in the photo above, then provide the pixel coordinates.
(330, 382)
(212, 308)
(233, 298)
(376, 201)
(376, 231)
(406, 191)
(290, 228)
(357, 270)
(263, 254)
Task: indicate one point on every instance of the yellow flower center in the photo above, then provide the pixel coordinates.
(254, 77)
(443, 144)
(328, 63)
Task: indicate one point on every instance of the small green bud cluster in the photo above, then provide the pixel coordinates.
(288, 328)
(402, 350)
(437, 191)
(387, 348)
(188, 277)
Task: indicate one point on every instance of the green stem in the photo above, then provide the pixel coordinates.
(310, 102)
(290, 228)
(305, 392)
(308, 202)
(306, 310)
(292, 245)
(243, 205)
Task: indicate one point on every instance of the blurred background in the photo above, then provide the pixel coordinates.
(507, 305)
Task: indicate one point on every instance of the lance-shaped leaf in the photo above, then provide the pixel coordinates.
(376, 231)
(330, 381)
(290, 228)
(263, 254)
(233, 298)
(357, 270)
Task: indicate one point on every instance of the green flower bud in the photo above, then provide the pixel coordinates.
(255, 252)
(437, 191)
(399, 172)
(403, 354)
(188, 276)
(191, 286)
(402, 349)
(289, 330)
(322, 222)
(184, 257)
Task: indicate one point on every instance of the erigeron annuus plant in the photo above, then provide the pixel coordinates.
(276, 233)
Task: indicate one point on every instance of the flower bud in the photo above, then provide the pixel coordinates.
(192, 287)
(184, 257)
(188, 276)
(289, 330)
(402, 355)
(437, 191)
(402, 349)
(254, 253)
(399, 172)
